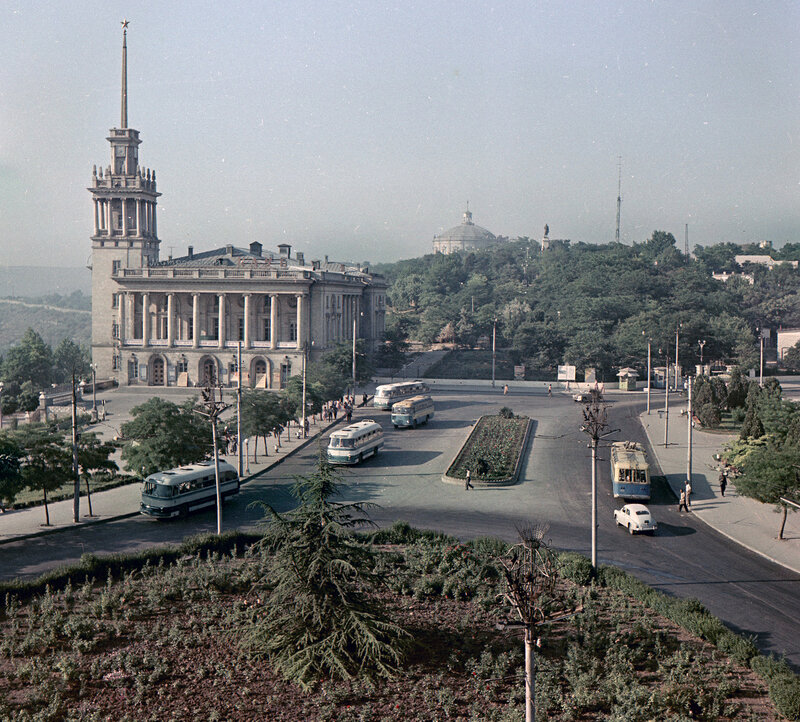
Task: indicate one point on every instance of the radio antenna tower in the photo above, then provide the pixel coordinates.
(619, 198)
(686, 242)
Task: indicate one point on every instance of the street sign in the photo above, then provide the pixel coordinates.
(519, 373)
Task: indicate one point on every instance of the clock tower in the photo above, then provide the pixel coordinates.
(125, 232)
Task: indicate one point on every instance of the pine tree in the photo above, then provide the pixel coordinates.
(320, 620)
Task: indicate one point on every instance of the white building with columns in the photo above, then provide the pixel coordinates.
(181, 321)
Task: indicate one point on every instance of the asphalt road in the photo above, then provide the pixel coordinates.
(685, 558)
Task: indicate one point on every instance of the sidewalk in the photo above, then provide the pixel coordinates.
(747, 522)
(123, 501)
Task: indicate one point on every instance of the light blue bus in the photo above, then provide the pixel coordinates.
(413, 411)
(355, 443)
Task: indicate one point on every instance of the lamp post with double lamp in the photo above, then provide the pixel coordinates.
(702, 345)
(93, 367)
(239, 465)
(761, 356)
(305, 362)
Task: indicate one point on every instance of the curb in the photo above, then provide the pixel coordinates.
(710, 525)
(128, 515)
(499, 483)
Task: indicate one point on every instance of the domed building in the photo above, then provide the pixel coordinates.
(466, 237)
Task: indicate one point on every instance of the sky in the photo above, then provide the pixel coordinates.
(358, 129)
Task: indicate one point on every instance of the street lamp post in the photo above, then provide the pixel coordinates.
(666, 399)
(1, 404)
(689, 436)
(94, 391)
(702, 345)
(761, 357)
(305, 361)
(648, 374)
(595, 424)
(354, 359)
(240, 469)
(212, 408)
(677, 346)
(494, 348)
(76, 496)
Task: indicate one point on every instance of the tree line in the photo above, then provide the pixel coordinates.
(592, 305)
(162, 434)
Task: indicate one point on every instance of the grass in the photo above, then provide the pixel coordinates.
(157, 637)
(28, 497)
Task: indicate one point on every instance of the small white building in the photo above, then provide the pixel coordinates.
(787, 337)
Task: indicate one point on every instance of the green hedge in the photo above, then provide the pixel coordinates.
(784, 684)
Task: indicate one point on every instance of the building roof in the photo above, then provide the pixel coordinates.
(467, 232)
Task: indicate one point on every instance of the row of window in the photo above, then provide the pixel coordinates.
(161, 330)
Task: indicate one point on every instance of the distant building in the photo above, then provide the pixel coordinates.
(767, 261)
(724, 276)
(787, 337)
(180, 321)
(465, 237)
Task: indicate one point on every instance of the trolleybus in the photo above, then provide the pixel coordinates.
(388, 394)
(355, 443)
(413, 411)
(180, 491)
(630, 472)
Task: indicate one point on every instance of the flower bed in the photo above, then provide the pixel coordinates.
(493, 449)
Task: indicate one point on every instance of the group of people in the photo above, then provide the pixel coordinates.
(685, 501)
(332, 409)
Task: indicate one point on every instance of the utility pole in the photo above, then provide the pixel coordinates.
(494, 348)
(689, 437)
(240, 466)
(648, 374)
(595, 423)
(619, 199)
(677, 345)
(354, 360)
(305, 361)
(76, 497)
(211, 408)
(666, 400)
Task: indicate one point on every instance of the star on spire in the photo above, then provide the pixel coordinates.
(125, 23)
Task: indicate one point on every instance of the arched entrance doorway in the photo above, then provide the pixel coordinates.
(157, 372)
(208, 372)
(260, 377)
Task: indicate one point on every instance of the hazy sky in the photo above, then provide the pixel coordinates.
(359, 129)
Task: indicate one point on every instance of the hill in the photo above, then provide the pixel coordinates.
(54, 317)
(32, 281)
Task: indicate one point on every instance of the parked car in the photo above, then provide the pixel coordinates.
(635, 518)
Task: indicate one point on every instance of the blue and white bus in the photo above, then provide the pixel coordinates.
(189, 488)
(413, 411)
(388, 394)
(630, 471)
(355, 443)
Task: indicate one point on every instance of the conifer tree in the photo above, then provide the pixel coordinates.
(320, 619)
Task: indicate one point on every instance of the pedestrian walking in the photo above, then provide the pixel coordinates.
(682, 503)
(348, 412)
(688, 490)
(505, 390)
(467, 481)
(723, 483)
(549, 389)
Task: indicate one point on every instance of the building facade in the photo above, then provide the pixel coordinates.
(181, 321)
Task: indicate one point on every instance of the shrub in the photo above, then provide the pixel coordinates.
(575, 567)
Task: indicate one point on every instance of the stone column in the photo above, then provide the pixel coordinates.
(145, 319)
(122, 205)
(273, 320)
(153, 227)
(130, 300)
(123, 299)
(246, 339)
(170, 318)
(195, 320)
(95, 217)
(301, 326)
(221, 320)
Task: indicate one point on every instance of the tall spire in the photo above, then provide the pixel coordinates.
(124, 108)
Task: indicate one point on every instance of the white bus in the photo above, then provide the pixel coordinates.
(388, 394)
(355, 443)
(630, 472)
(180, 491)
(413, 411)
